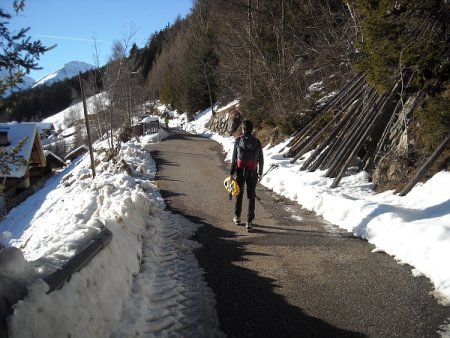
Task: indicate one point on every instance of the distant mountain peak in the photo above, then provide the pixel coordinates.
(26, 83)
(68, 71)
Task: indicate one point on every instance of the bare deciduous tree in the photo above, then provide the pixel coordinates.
(123, 86)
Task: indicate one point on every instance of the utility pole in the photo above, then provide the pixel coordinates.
(88, 130)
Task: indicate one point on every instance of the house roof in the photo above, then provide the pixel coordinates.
(41, 126)
(16, 133)
(77, 152)
(149, 119)
(50, 154)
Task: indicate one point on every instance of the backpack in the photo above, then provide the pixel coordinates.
(247, 152)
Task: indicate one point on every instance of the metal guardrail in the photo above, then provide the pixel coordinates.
(57, 279)
(11, 292)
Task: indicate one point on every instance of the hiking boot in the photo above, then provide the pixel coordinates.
(249, 225)
(237, 220)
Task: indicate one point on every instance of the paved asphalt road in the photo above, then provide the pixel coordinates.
(293, 276)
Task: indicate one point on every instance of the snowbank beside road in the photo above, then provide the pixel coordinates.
(145, 282)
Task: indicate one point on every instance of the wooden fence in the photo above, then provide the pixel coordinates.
(16, 200)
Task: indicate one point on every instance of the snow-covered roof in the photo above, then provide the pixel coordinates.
(68, 132)
(41, 126)
(52, 154)
(16, 133)
(77, 151)
(49, 140)
(149, 119)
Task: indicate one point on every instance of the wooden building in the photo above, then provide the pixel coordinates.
(76, 153)
(150, 125)
(30, 162)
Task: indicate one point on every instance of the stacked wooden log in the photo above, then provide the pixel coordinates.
(363, 125)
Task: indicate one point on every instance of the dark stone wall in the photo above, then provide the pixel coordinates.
(225, 122)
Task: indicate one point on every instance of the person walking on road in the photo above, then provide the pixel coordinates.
(247, 162)
(166, 120)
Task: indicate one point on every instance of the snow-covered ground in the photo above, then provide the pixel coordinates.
(147, 282)
(75, 112)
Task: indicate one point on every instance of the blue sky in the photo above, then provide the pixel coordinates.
(71, 25)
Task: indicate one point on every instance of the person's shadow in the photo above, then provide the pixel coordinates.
(247, 303)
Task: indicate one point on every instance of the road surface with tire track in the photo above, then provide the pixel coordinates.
(294, 275)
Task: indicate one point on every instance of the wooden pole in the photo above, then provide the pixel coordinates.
(427, 165)
(328, 142)
(88, 130)
(344, 98)
(345, 103)
(398, 109)
(313, 140)
(379, 147)
(338, 157)
(352, 151)
(375, 114)
(342, 136)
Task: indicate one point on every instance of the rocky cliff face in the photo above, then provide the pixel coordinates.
(225, 122)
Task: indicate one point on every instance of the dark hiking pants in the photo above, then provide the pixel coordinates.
(249, 178)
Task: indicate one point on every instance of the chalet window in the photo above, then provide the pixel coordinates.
(4, 138)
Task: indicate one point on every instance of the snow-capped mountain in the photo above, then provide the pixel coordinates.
(28, 81)
(69, 70)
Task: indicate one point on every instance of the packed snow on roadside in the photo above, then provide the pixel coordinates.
(147, 281)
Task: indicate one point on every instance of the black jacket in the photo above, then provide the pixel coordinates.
(260, 157)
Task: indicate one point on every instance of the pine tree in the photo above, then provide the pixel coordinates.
(404, 38)
(9, 158)
(19, 53)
